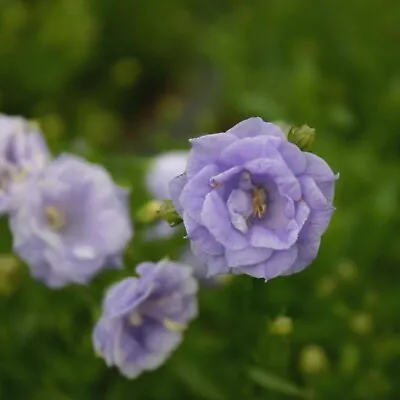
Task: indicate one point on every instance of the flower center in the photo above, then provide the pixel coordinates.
(135, 319)
(55, 219)
(173, 325)
(259, 202)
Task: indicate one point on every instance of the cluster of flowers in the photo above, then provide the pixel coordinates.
(251, 202)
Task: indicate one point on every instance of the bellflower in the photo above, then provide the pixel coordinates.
(143, 318)
(163, 169)
(23, 153)
(73, 222)
(252, 202)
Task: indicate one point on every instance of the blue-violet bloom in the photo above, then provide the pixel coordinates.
(163, 169)
(73, 222)
(143, 319)
(252, 202)
(23, 153)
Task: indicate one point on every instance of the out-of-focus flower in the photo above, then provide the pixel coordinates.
(23, 153)
(252, 202)
(73, 222)
(144, 318)
(163, 169)
(313, 360)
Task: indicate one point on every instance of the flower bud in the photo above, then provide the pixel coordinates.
(361, 323)
(347, 270)
(281, 326)
(303, 136)
(169, 214)
(313, 359)
(150, 212)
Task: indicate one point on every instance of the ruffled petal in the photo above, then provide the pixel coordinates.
(216, 219)
(255, 126)
(175, 189)
(276, 265)
(277, 171)
(205, 150)
(194, 192)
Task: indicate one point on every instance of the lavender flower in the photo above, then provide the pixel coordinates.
(73, 222)
(23, 153)
(252, 202)
(163, 169)
(144, 318)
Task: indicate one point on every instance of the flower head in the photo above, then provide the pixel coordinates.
(23, 153)
(73, 222)
(163, 169)
(252, 202)
(144, 318)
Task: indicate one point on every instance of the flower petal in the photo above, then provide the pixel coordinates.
(240, 207)
(248, 149)
(276, 240)
(318, 169)
(216, 219)
(276, 265)
(195, 191)
(294, 158)
(216, 265)
(276, 170)
(205, 150)
(248, 256)
(175, 189)
(313, 195)
(255, 126)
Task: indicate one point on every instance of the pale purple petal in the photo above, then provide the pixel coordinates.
(205, 149)
(216, 219)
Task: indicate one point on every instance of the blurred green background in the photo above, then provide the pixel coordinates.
(118, 80)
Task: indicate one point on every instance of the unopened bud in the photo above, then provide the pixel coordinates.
(313, 360)
(303, 136)
(169, 214)
(281, 326)
(150, 212)
(361, 323)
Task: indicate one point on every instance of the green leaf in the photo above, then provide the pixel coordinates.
(197, 381)
(277, 384)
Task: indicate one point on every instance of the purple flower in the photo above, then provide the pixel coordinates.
(73, 222)
(23, 153)
(143, 318)
(252, 202)
(163, 169)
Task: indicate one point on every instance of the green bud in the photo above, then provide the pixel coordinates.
(169, 214)
(303, 136)
(313, 360)
(281, 326)
(150, 212)
(361, 323)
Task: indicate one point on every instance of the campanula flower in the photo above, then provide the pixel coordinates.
(143, 319)
(73, 223)
(163, 169)
(23, 153)
(252, 202)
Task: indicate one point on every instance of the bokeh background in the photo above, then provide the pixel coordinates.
(117, 81)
